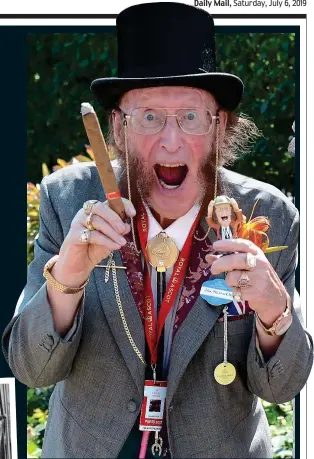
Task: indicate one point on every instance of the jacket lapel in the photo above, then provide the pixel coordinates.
(110, 307)
(196, 325)
(188, 339)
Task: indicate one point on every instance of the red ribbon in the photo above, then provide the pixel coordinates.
(153, 328)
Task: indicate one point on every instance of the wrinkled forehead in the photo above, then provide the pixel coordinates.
(168, 96)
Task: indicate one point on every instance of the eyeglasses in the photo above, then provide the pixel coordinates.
(194, 121)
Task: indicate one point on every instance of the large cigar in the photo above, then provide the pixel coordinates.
(102, 160)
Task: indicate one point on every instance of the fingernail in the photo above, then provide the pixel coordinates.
(121, 240)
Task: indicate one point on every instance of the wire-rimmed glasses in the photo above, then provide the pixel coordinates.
(148, 121)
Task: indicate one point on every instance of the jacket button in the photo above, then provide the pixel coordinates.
(48, 339)
(132, 406)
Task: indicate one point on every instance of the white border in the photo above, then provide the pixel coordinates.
(114, 7)
(306, 162)
(11, 383)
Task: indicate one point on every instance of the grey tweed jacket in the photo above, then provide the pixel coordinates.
(99, 379)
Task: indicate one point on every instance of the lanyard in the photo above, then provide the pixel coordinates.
(153, 327)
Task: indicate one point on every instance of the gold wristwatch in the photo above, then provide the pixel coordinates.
(55, 284)
(281, 325)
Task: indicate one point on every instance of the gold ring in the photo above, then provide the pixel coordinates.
(244, 281)
(88, 222)
(237, 294)
(250, 261)
(85, 236)
(88, 206)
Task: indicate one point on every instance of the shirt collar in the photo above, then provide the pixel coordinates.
(178, 230)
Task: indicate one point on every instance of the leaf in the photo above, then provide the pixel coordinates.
(89, 151)
(264, 106)
(82, 158)
(84, 63)
(62, 163)
(275, 249)
(32, 448)
(45, 170)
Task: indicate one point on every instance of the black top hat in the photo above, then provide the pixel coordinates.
(167, 44)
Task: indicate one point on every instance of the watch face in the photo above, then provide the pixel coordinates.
(283, 325)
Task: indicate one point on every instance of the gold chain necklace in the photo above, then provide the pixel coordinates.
(111, 266)
(216, 177)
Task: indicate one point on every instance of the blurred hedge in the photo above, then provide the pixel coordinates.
(62, 65)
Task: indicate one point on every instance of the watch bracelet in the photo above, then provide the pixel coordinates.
(266, 330)
(57, 285)
(271, 330)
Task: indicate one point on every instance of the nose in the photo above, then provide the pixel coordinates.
(171, 135)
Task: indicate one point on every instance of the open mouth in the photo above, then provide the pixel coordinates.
(224, 218)
(171, 176)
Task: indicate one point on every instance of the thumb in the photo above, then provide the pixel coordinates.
(129, 208)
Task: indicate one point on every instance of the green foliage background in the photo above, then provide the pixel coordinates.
(61, 67)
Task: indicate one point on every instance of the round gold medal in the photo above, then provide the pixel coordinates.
(225, 373)
(162, 252)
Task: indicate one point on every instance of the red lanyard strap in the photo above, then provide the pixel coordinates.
(153, 327)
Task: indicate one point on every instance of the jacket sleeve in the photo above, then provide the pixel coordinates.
(282, 377)
(37, 355)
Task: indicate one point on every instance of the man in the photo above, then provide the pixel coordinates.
(91, 329)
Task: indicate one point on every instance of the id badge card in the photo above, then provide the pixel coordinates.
(153, 405)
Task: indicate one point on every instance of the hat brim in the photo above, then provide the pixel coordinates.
(226, 88)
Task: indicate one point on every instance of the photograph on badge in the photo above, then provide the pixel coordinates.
(200, 140)
(8, 441)
(154, 406)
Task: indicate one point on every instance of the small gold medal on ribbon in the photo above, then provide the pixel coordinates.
(162, 252)
(225, 373)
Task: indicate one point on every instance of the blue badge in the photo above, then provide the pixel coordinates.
(216, 292)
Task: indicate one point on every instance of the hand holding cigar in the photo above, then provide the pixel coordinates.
(102, 160)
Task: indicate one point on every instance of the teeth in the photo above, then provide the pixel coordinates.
(172, 165)
(168, 187)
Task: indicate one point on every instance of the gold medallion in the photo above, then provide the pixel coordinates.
(225, 373)
(162, 252)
